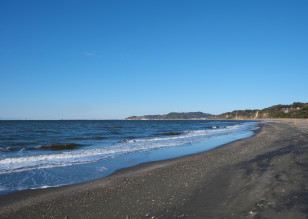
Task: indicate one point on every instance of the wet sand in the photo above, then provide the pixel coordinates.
(265, 176)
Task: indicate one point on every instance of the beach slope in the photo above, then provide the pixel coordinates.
(264, 176)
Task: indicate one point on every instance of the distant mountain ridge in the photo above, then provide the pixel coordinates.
(295, 110)
(173, 116)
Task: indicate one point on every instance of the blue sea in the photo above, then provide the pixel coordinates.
(41, 154)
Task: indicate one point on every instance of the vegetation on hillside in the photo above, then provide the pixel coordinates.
(295, 110)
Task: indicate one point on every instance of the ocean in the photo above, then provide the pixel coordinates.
(41, 154)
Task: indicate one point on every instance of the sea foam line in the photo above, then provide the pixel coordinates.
(26, 163)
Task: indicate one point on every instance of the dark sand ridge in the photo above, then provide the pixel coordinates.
(265, 176)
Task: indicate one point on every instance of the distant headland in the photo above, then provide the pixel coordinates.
(295, 110)
(173, 116)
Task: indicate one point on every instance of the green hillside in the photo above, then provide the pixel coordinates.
(295, 110)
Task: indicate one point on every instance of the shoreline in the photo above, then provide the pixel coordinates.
(142, 147)
(207, 184)
(138, 165)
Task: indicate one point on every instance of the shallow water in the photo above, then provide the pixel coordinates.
(40, 154)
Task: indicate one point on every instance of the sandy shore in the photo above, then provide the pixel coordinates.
(265, 176)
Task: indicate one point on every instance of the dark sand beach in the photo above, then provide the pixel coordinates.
(265, 176)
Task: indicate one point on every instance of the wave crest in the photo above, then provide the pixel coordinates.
(80, 156)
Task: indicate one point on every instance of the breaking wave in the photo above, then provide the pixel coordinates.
(82, 156)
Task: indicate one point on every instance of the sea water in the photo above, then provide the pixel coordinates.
(41, 154)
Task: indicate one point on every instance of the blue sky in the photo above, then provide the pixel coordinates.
(113, 59)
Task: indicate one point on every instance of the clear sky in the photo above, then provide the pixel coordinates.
(113, 59)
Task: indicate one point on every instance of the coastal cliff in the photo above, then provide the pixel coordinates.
(295, 110)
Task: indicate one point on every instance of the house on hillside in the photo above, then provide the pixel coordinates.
(285, 110)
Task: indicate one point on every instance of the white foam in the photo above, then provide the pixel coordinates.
(102, 169)
(2, 188)
(44, 187)
(18, 164)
